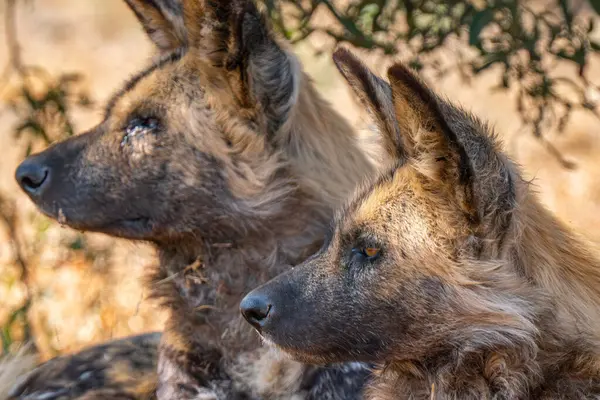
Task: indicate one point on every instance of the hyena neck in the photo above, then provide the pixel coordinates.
(562, 372)
(201, 280)
(201, 283)
(563, 265)
(407, 380)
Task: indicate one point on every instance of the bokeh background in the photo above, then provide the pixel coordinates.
(60, 59)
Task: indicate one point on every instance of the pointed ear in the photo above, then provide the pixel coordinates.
(376, 95)
(233, 35)
(163, 22)
(269, 74)
(430, 141)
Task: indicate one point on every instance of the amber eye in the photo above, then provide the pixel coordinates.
(364, 255)
(371, 251)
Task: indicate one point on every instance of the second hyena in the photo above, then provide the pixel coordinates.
(446, 271)
(223, 156)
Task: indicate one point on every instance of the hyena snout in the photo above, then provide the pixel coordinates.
(33, 175)
(271, 307)
(257, 309)
(40, 175)
(279, 308)
(54, 181)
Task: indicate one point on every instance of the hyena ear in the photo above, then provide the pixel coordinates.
(269, 74)
(233, 35)
(430, 141)
(163, 22)
(376, 95)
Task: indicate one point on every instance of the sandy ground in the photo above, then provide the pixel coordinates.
(91, 295)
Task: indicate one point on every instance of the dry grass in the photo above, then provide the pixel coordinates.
(14, 367)
(92, 293)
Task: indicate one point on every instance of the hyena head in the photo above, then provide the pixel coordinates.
(188, 142)
(412, 266)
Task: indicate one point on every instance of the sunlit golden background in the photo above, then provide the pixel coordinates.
(85, 288)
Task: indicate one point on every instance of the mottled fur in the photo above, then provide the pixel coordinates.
(120, 369)
(446, 270)
(223, 155)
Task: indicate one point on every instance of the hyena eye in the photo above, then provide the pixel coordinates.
(139, 126)
(371, 251)
(365, 253)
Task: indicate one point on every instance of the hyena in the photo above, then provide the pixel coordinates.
(222, 154)
(445, 271)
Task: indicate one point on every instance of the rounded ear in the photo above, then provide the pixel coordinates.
(163, 22)
(376, 95)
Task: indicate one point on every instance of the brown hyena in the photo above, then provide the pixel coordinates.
(445, 271)
(223, 156)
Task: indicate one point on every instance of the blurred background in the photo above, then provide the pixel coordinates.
(531, 68)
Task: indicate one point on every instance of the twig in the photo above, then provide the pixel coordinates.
(10, 22)
(526, 43)
(8, 216)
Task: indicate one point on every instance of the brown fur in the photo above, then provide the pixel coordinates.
(475, 291)
(121, 369)
(223, 155)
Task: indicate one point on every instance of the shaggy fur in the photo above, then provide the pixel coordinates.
(222, 154)
(446, 271)
(121, 369)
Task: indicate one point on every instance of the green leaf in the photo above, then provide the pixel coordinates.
(28, 124)
(480, 20)
(78, 243)
(367, 15)
(595, 5)
(415, 64)
(488, 61)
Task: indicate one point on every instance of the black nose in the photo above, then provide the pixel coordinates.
(32, 176)
(256, 309)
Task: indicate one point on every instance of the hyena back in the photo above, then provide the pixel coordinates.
(222, 154)
(446, 270)
(120, 369)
